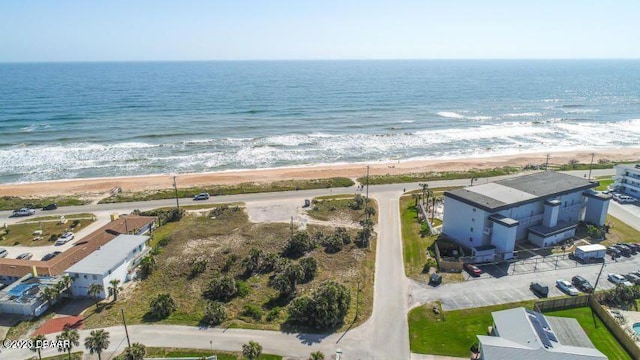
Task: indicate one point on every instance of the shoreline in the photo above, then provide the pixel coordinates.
(92, 186)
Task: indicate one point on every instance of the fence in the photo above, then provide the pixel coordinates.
(447, 265)
(618, 332)
(561, 304)
(590, 301)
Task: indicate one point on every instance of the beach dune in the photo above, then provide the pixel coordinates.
(162, 181)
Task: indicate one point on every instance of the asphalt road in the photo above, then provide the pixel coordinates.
(384, 335)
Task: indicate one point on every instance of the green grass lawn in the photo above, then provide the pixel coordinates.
(414, 246)
(604, 184)
(599, 335)
(22, 233)
(620, 232)
(222, 355)
(431, 176)
(14, 202)
(451, 333)
(243, 188)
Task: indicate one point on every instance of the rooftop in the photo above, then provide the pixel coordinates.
(520, 190)
(529, 335)
(81, 248)
(27, 290)
(108, 256)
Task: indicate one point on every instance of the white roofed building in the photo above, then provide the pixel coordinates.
(528, 335)
(115, 260)
(543, 208)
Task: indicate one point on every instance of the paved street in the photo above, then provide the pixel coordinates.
(385, 334)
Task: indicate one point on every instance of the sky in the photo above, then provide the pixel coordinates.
(158, 30)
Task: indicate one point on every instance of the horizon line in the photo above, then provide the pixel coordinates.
(314, 60)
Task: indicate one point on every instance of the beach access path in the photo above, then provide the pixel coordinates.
(385, 335)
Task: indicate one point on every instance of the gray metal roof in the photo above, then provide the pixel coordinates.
(520, 190)
(108, 256)
(519, 338)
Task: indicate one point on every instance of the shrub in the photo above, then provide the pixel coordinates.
(214, 313)
(253, 312)
(431, 262)
(332, 244)
(221, 288)
(229, 261)
(54, 237)
(268, 263)
(252, 350)
(162, 306)
(242, 288)
(251, 263)
(274, 314)
(310, 267)
(324, 309)
(198, 267)
(298, 245)
(343, 235)
(363, 237)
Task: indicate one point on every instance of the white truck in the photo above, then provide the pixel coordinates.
(590, 253)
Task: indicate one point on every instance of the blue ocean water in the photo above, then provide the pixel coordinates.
(74, 120)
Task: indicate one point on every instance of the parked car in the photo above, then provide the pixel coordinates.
(631, 249)
(23, 212)
(619, 279)
(635, 246)
(539, 289)
(201, 196)
(51, 206)
(626, 199)
(623, 250)
(472, 269)
(50, 256)
(24, 256)
(582, 284)
(65, 238)
(3, 253)
(567, 287)
(614, 252)
(633, 278)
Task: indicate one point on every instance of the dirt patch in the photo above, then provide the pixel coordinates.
(58, 324)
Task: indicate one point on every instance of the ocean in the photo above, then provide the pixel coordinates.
(79, 120)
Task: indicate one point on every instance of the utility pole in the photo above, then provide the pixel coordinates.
(125, 328)
(175, 187)
(598, 278)
(546, 165)
(357, 298)
(591, 165)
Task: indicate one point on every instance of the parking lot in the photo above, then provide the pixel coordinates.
(509, 282)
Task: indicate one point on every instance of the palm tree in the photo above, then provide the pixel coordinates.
(147, 265)
(115, 288)
(316, 356)
(415, 197)
(252, 350)
(69, 338)
(162, 306)
(94, 291)
(97, 341)
(37, 342)
(136, 351)
(49, 294)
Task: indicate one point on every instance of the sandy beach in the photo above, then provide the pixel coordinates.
(89, 187)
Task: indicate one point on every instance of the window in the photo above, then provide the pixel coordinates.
(474, 209)
(471, 229)
(95, 277)
(470, 239)
(85, 276)
(473, 220)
